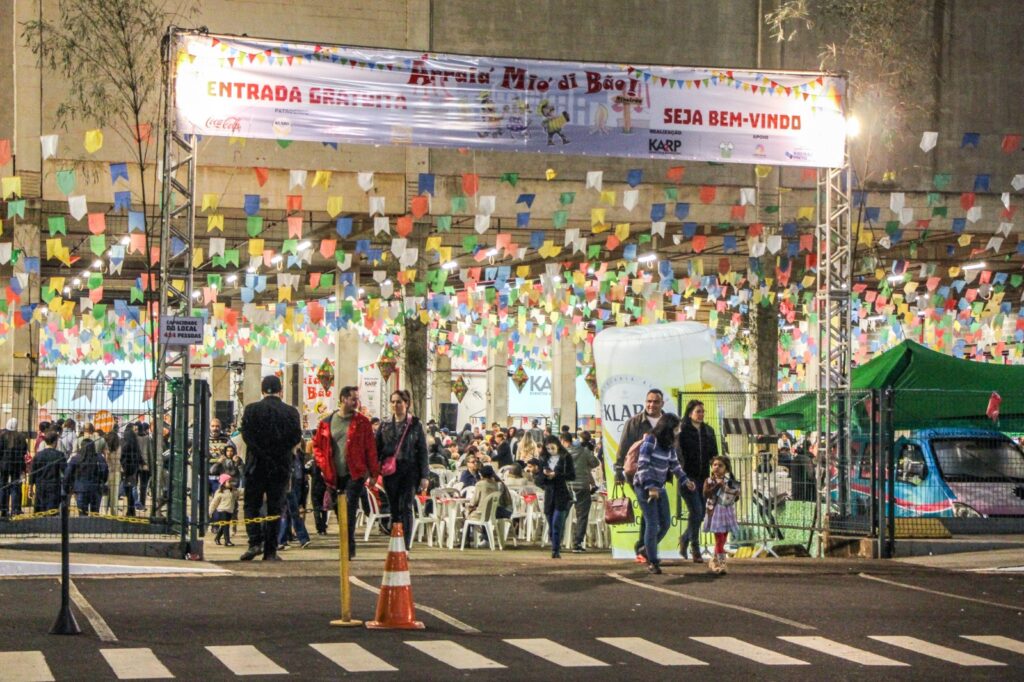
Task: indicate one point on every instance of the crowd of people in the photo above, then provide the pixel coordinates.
(92, 464)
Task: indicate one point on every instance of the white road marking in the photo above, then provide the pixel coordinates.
(752, 652)
(943, 594)
(849, 653)
(440, 615)
(555, 653)
(103, 630)
(246, 660)
(714, 602)
(1000, 642)
(353, 658)
(455, 655)
(24, 666)
(651, 651)
(935, 651)
(135, 664)
(10, 567)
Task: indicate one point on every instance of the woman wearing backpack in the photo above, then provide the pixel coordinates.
(657, 457)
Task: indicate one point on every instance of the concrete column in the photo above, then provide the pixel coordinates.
(220, 379)
(497, 381)
(346, 359)
(294, 369)
(442, 384)
(563, 382)
(252, 376)
(22, 344)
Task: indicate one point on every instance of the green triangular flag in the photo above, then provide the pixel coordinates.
(254, 225)
(942, 180)
(98, 243)
(444, 223)
(66, 181)
(469, 243)
(57, 225)
(671, 194)
(560, 218)
(510, 178)
(567, 198)
(283, 144)
(458, 204)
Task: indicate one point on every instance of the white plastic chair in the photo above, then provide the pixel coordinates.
(597, 529)
(487, 521)
(373, 516)
(423, 522)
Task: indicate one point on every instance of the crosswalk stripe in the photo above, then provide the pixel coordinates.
(135, 664)
(555, 653)
(24, 666)
(998, 641)
(827, 646)
(755, 653)
(651, 651)
(455, 655)
(935, 651)
(353, 658)
(246, 660)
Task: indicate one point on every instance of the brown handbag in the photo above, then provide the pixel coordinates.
(618, 510)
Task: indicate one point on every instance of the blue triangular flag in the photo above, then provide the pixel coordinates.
(523, 219)
(426, 184)
(252, 204)
(122, 200)
(682, 210)
(343, 226)
(634, 177)
(657, 212)
(118, 170)
(116, 388)
(136, 221)
(526, 199)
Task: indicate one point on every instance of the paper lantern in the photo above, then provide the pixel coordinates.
(519, 378)
(459, 388)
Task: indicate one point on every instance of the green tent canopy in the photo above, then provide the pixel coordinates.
(932, 389)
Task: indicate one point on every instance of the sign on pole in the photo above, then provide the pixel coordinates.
(180, 332)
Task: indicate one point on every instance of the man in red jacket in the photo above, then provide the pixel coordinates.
(346, 452)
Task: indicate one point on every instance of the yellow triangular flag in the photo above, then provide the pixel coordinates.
(322, 178)
(334, 205)
(215, 222)
(43, 389)
(608, 197)
(197, 256)
(210, 200)
(256, 247)
(596, 216)
(93, 140)
(622, 231)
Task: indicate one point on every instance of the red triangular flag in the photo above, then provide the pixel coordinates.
(261, 175)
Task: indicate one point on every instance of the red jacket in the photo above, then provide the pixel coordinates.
(360, 449)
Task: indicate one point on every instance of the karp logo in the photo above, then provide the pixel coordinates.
(657, 145)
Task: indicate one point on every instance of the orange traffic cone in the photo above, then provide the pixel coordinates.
(395, 609)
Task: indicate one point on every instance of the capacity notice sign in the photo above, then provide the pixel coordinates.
(246, 87)
(181, 331)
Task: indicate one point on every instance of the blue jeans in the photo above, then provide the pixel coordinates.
(657, 522)
(290, 514)
(694, 501)
(88, 501)
(556, 524)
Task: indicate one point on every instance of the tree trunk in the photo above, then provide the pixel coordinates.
(764, 355)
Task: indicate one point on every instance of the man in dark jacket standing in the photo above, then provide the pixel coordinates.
(48, 473)
(270, 429)
(638, 426)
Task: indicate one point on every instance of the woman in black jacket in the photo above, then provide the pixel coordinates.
(697, 447)
(131, 464)
(553, 471)
(403, 438)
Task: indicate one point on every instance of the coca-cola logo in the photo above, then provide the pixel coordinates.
(231, 124)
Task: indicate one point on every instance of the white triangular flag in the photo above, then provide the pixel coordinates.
(570, 235)
(387, 289)
(1018, 182)
(974, 214)
(906, 215)
(595, 179)
(774, 243)
(296, 177)
(398, 245)
(658, 227)
(928, 140)
(896, 201)
(217, 246)
(49, 146)
(365, 181)
(748, 195)
(377, 206)
(409, 258)
(77, 206)
(630, 198)
(486, 204)
(346, 262)
(5, 253)
(381, 225)
(1005, 198)
(885, 242)
(381, 275)
(994, 243)
(481, 223)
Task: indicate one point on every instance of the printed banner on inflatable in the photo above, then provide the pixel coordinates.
(242, 87)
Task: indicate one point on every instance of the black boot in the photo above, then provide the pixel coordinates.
(250, 553)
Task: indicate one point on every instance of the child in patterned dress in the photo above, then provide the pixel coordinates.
(721, 490)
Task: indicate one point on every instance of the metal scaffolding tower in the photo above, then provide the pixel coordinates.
(177, 229)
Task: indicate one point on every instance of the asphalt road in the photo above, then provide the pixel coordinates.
(871, 628)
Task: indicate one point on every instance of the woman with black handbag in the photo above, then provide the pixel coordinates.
(402, 447)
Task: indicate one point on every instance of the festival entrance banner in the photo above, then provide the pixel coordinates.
(243, 87)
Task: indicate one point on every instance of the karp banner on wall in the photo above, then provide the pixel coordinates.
(242, 87)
